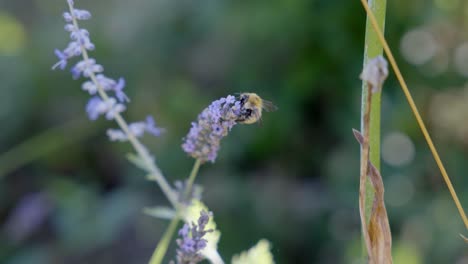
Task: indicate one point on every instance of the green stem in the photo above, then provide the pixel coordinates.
(163, 244)
(191, 178)
(372, 49)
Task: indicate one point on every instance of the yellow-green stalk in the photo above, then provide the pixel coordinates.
(372, 48)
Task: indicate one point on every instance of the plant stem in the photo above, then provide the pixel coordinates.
(163, 244)
(191, 179)
(372, 49)
(415, 111)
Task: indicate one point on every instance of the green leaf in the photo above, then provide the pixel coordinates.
(137, 161)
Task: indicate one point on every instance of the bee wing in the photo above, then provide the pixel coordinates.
(269, 106)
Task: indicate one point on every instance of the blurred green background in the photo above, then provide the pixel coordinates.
(70, 196)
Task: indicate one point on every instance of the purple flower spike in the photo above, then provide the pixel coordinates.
(109, 105)
(204, 138)
(192, 242)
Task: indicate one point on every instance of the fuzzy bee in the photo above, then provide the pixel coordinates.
(252, 106)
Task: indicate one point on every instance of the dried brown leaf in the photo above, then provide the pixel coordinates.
(362, 188)
(358, 136)
(379, 229)
(377, 235)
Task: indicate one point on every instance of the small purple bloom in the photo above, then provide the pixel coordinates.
(118, 89)
(152, 128)
(62, 60)
(184, 231)
(137, 129)
(93, 107)
(90, 87)
(114, 109)
(81, 36)
(116, 135)
(96, 107)
(86, 68)
(72, 50)
(68, 17)
(105, 82)
(69, 27)
(81, 14)
(188, 246)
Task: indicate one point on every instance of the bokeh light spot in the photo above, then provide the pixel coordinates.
(12, 34)
(397, 149)
(447, 5)
(399, 190)
(461, 59)
(418, 46)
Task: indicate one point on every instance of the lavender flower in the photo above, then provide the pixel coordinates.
(192, 241)
(97, 107)
(137, 129)
(97, 82)
(214, 123)
(80, 43)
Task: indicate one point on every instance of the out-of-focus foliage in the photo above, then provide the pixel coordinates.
(293, 179)
(259, 254)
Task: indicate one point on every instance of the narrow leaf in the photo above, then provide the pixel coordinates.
(137, 161)
(379, 229)
(160, 212)
(378, 236)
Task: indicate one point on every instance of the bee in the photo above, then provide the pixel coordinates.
(252, 106)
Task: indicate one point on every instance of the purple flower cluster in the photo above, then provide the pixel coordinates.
(203, 140)
(98, 85)
(192, 241)
(79, 40)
